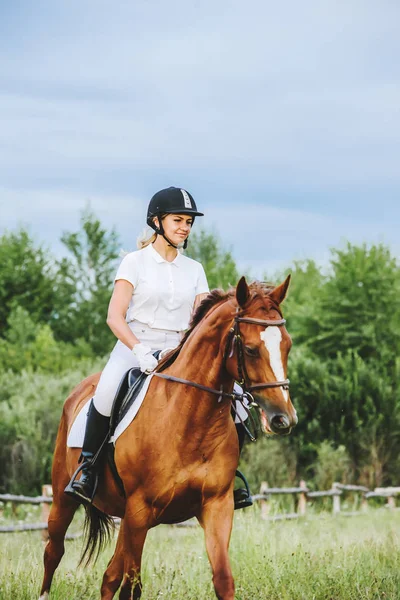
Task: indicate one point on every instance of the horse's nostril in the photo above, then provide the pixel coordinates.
(280, 422)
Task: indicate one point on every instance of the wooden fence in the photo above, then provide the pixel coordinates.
(303, 495)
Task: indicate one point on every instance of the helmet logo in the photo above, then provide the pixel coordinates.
(186, 199)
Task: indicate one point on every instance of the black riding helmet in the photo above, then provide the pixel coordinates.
(171, 200)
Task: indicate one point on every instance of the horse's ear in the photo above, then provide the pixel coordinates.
(278, 294)
(242, 291)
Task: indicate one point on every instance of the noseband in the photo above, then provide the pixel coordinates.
(235, 339)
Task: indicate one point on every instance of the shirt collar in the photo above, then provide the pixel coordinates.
(159, 259)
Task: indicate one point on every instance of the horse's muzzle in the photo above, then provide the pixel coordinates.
(276, 421)
(281, 424)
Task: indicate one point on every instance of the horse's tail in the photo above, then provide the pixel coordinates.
(97, 531)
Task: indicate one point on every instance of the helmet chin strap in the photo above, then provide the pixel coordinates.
(160, 231)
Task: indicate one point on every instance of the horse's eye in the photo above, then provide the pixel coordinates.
(252, 351)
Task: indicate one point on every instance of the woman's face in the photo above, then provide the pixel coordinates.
(177, 227)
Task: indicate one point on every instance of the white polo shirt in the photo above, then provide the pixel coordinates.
(163, 292)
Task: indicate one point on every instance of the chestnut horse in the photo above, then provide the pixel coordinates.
(178, 458)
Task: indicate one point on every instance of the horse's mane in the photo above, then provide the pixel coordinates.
(258, 289)
(213, 298)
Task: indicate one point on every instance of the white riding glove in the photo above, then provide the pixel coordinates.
(147, 362)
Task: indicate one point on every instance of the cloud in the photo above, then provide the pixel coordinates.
(186, 85)
(47, 214)
(282, 119)
(263, 238)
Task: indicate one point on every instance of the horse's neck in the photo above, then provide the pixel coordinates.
(202, 361)
(201, 358)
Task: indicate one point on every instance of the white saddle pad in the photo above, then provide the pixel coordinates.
(77, 431)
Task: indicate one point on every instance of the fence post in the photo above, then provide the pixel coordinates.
(302, 503)
(265, 505)
(47, 492)
(391, 503)
(364, 503)
(336, 499)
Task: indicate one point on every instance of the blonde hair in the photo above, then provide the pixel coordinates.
(147, 237)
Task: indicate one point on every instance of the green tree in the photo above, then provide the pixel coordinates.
(87, 275)
(30, 412)
(27, 278)
(332, 464)
(303, 296)
(350, 402)
(217, 261)
(343, 365)
(358, 306)
(30, 346)
(269, 459)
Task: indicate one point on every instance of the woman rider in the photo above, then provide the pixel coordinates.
(156, 289)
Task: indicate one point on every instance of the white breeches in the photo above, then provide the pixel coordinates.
(239, 408)
(122, 359)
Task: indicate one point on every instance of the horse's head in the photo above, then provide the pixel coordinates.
(259, 352)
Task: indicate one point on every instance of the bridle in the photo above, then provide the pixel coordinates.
(235, 340)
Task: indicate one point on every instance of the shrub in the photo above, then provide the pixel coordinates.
(30, 411)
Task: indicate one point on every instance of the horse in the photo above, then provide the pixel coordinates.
(178, 457)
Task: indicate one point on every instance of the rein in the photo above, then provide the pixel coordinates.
(199, 386)
(235, 339)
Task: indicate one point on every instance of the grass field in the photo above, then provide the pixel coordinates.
(318, 558)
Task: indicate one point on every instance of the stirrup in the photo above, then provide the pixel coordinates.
(75, 494)
(242, 496)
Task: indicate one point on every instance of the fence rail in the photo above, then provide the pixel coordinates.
(303, 494)
(25, 499)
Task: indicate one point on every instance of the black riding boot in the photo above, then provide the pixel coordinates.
(242, 496)
(84, 489)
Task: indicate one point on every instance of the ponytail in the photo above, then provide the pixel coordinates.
(147, 237)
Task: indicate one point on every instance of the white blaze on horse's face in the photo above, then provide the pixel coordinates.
(272, 337)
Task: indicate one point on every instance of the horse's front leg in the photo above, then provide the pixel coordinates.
(216, 520)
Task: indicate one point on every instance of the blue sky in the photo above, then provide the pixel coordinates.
(282, 119)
